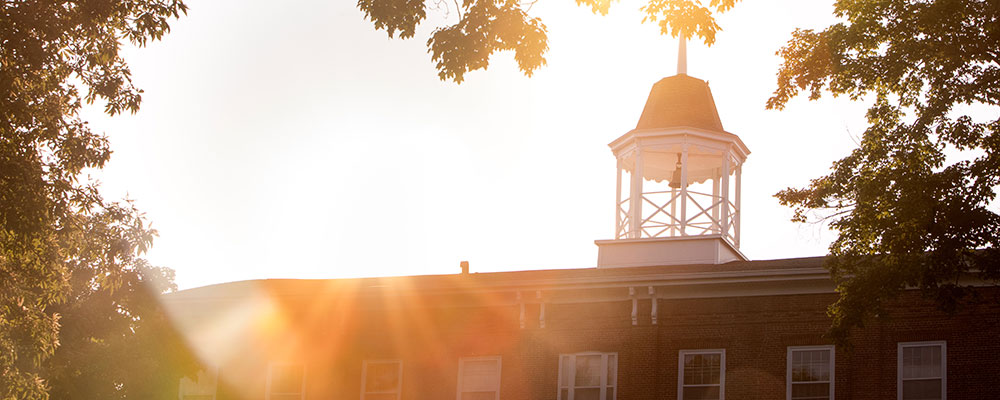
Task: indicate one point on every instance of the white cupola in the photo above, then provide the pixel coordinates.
(678, 192)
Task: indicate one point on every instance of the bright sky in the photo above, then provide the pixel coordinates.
(295, 141)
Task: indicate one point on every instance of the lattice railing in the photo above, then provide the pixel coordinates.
(661, 215)
(623, 224)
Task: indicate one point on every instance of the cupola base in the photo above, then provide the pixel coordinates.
(646, 252)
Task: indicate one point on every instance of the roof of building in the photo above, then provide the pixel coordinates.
(513, 279)
(680, 100)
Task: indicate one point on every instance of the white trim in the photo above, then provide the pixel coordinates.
(788, 367)
(270, 372)
(618, 199)
(399, 374)
(623, 142)
(541, 309)
(461, 367)
(570, 372)
(661, 279)
(722, 370)
(944, 365)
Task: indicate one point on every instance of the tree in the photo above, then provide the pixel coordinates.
(487, 26)
(907, 214)
(60, 241)
(115, 339)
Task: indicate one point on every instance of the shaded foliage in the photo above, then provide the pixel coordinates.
(487, 26)
(908, 215)
(62, 246)
(115, 339)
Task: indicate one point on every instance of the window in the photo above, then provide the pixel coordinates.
(588, 376)
(922, 371)
(286, 381)
(479, 378)
(810, 373)
(381, 380)
(203, 387)
(702, 375)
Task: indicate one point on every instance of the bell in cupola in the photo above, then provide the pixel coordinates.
(675, 179)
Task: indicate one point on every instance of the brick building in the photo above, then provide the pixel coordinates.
(672, 311)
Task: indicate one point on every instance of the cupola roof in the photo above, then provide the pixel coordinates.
(680, 100)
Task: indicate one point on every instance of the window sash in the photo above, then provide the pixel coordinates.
(608, 377)
(681, 355)
(272, 394)
(203, 387)
(368, 364)
(941, 376)
(463, 376)
(791, 381)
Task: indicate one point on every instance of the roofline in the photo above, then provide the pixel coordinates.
(457, 283)
(687, 130)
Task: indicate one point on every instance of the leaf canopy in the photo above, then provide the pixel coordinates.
(61, 243)
(912, 204)
(485, 27)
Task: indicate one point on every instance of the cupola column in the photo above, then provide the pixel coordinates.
(739, 208)
(635, 197)
(684, 189)
(618, 200)
(725, 193)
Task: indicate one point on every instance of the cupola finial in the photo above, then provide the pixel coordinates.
(682, 68)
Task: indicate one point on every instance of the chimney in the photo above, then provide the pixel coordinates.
(465, 267)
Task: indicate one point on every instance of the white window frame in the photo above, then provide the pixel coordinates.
(722, 370)
(364, 377)
(270, 373)
(788, 367)
(571, 371)
(944, 365)
(461, 369)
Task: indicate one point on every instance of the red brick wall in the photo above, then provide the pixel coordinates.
(755, 331)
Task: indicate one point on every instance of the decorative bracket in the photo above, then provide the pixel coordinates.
(541, 309)
(652, 297)
(520, 302)
(635, 306)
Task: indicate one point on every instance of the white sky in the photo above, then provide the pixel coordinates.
(295, 141)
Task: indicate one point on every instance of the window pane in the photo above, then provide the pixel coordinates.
(588, 376)
(612, 370)
(382, 377)
(479, 395)
(480, 375)
(587, 394)
(588, 371)
(810, 365)
(810, 391)
(702, 369)
(924, 389)
(701, 393)
(921, 362)
(286, 378)
(564, 371)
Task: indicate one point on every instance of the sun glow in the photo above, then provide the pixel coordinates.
(360, 162)
(239, 327)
